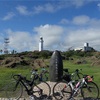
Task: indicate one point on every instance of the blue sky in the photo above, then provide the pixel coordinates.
(62, 24)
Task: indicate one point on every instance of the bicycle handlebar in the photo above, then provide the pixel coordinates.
(35, 72)
(18, 76)
(77, 70)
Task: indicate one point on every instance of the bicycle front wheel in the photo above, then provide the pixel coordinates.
(42, 90)
(90, 91)
(13, 92)
(61, 90)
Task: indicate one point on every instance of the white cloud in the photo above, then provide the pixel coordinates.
(82, 29)
(98, 5)
(58, 37)
(51, 33)
(25, 41)
(64, 21)
(21, 41)
(44, 8)
(52, 6)
(1, 41)
(78, 37)
(22, 10)
(81, 20)
(9, 16)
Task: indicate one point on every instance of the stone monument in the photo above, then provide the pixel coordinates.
(56, 67)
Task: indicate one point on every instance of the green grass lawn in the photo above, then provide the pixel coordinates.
(6, 73)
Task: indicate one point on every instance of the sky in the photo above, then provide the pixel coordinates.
(63, 24)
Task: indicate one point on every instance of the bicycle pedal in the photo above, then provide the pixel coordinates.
(49, 98)
(43, 96)
(56, 94)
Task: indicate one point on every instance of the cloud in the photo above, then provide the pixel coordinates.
(64, 21)
(57, 36)
(81, 29)
(98, 5)
(1, 41)
(51, 33)
(44, 8)
(80, 36)
(25, 41)
(9, 16)
(22, 10)
(81, 20)
(86, 21)
(51, 6)
(21, 41)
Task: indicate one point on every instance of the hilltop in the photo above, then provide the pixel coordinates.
(41, 59)
(32, 59)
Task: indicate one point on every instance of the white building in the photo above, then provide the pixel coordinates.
(41, 44)
(86, 47)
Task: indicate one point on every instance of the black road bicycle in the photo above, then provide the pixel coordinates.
(14, 90)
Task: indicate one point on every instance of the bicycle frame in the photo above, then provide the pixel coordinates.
(28, 85)
(74, 74)
(78, 86)
(40, 76)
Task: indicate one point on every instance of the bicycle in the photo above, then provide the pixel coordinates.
(42, 76)
(14, 90)
(67, 82)
(89, 89)
(64, 89)
(73, 77)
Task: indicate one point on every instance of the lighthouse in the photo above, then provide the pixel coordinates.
(41, 44)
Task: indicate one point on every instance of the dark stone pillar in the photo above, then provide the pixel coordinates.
(56, 67)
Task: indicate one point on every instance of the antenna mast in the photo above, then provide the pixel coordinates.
(6, 43)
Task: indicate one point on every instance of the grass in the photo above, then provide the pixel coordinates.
(6, 73)
(86, 69)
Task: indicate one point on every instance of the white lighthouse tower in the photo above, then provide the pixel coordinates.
(41, 44)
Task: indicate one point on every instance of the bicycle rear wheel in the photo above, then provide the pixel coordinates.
(90, 91)
(61, 90)
(13, 92)
(42, 90)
